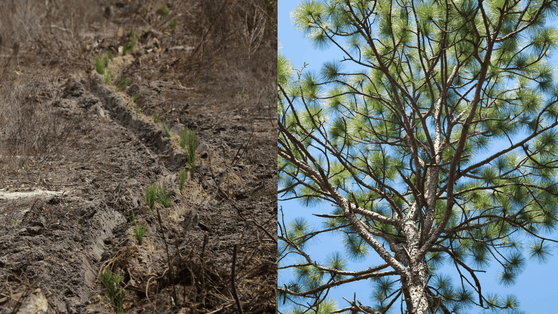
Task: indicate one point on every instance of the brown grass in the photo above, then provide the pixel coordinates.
(30, 125)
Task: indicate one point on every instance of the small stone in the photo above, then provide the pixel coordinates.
(35, 303)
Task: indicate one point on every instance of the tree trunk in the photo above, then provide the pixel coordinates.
(415, 287)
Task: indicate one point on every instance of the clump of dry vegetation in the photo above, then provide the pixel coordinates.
(31, 124)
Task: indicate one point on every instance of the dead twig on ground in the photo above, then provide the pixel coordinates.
(147, 286)
(202, 40)
(232, 281)
(168, 255)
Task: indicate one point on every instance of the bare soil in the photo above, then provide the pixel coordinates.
(76, 156)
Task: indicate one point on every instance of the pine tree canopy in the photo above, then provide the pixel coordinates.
(434, 137)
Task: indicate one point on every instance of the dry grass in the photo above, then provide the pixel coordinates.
(31, 126)
(33, 31)
(53, 30)
(227, 38)
(232, 24)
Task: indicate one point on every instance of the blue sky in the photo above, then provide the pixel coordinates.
(535, 288)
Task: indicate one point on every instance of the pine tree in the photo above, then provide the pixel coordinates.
(434, 138)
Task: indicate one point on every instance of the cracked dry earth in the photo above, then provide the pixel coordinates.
(67, 216)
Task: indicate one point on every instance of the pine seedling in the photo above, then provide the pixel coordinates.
(100, 65)
(109, 55)
(111, 282)
(187, 137)
(134, 98)
(182, 138)
(172, 24)
(130, 45)
(163, 10)
(182, 175)
(189, 142)
(156, 117)
(240, 93)
(133, 38)
(151, 196)
(122, 83)
(166, 129)
(124, 49)
(163, 196)
(138, 231)
(108, 76)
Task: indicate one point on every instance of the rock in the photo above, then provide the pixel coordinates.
(176, 127)
(202, 147)
(171, 183)
(35, 303)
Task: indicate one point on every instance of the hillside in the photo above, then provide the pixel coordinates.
(79, 150)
